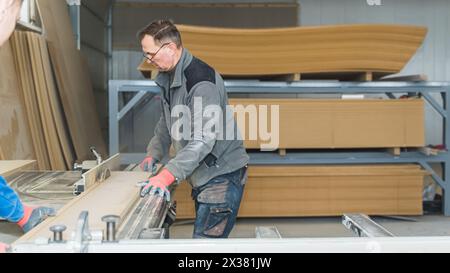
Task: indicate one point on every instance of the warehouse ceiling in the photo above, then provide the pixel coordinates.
(130, 16)
(98, 5)
(209, 1)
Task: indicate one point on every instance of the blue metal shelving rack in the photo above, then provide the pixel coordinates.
(423, 89)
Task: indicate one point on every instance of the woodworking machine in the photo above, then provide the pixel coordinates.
(145, 229)
(150, 218)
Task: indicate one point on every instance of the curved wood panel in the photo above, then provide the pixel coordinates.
(318, 49)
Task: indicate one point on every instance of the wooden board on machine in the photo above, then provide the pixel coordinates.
(9, 167)
(337, 123)
(294, 191)
(115, 196)
(73, 82)
(375, 48)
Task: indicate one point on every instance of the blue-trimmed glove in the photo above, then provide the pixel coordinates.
(159, 184)
(149, 165)
(34, 216)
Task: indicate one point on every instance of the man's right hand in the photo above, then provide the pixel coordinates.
(149, 165)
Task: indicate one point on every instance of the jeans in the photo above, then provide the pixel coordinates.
(11, 207)
(217, 204)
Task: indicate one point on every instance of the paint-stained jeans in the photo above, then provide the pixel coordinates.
(11, 207)
(217, 204)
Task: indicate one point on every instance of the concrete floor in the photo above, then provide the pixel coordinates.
(429, 225)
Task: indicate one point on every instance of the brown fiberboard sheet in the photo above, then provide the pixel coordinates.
(27, 86)
(15, 136)
(75, 91)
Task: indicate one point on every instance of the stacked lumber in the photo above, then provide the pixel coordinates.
(336, 123)
(46, 96)
(370, 51)
(46, 120)
(375, 48)
(294, 191)
(74, 85)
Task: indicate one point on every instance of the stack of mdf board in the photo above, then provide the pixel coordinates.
(383, 49)
(15, 138)
(336, 123)
(73, 82)
(45, 116)
(290, 191)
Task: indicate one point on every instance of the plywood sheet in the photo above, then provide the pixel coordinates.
(42, 84)
(64, 139)
(15, 137)
(317, 49)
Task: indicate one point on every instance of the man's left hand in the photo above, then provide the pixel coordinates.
(159, 184)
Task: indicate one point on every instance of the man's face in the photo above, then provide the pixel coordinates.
(162, 55)
(9, 14)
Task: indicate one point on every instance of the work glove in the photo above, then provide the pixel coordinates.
(34, 216)
(3, 248)
(158, 184)
(149, 165)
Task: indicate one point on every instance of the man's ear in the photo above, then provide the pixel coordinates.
(173, 48)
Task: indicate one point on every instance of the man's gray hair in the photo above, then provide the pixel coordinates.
(162, 31)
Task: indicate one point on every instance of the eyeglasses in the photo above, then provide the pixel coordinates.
(150, 56)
